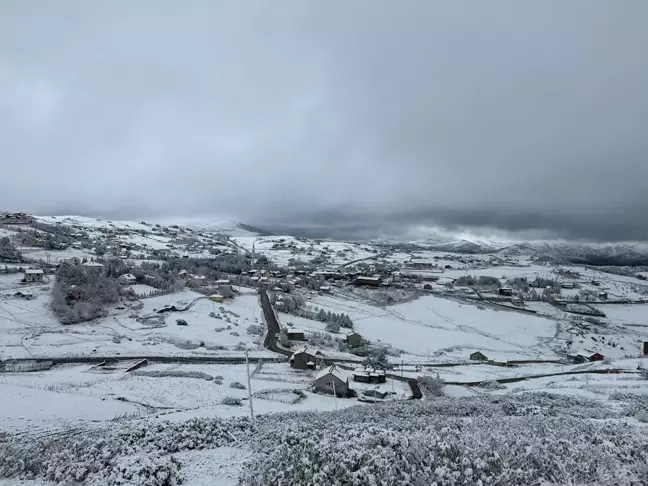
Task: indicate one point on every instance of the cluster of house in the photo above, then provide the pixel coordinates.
(15, 218)
(352, 339)
(332, 379)
(577, 358)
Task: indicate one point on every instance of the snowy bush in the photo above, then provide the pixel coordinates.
(535, 439)
(173, 374)
(255, 330)
(431, 385)
(237, 385)
(491, 385)
(130, 454)
(232, 401)
(409, 444)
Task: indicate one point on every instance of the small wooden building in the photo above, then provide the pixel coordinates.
(217, 298)
(478, 356)
(295, 335)
(331, 380)
(369, 375)
(305, 358)
(506, 291)
(353, 339)
(596, 357)
(368, 281)
(375, 394)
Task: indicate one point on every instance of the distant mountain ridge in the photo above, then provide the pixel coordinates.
(623, 253)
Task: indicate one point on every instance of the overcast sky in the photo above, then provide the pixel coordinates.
(507, 114)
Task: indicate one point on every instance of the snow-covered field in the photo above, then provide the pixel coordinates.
(30, 330)
(432, 328)
(282, 249)
(75, 394)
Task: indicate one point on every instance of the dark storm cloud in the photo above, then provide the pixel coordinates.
(362, 114)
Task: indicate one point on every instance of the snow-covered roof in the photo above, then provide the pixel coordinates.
(129, 276)
(294, 331)
(331, 370)
(307, 350)
(368, 372)
(216, 296)
(33, 271)
(222, 282)
(92, 264)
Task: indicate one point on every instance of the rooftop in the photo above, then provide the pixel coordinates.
(331, 370)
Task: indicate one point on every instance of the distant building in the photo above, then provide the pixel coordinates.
(33, 275)
(325, 288)
(199, 280)
(567, 285)
(370, 281)
(305, 358)
(128, 278)
(596, 283)
(332, 380)
(645, 346)
(15, 218)
(375, 394)
(92, 266)
(369, 375)
(603, 295)
(478, 356)
(423, 264)
(295, 335)
(353, 339)
(217, 298)
(596, 357)
(506, 291)
(226, 291)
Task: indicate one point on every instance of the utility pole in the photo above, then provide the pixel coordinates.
(334, 394)
(247, 366)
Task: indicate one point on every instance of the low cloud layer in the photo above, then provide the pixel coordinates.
(332, 115)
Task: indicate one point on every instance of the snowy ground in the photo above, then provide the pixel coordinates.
(339, 253)
(31, 330)
(74, 394)
(436, 329)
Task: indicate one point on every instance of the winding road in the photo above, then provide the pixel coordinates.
(270, 343)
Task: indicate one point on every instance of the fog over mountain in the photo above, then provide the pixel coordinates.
(353, 120)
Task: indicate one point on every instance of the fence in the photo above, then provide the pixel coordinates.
(26, 366)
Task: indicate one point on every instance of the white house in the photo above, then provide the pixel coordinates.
(33, 275)
(128, 278)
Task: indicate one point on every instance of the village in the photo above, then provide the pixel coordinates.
(320, 324)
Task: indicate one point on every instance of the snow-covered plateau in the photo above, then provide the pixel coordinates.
(153, 353)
